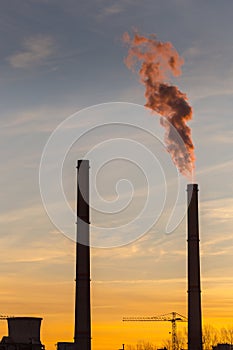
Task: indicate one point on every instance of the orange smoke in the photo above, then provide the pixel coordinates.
(158, 61)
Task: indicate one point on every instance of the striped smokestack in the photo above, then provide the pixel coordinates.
(194, 291)
(82, 331)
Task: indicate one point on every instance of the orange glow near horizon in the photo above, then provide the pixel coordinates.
(126, 281)
(111, 301)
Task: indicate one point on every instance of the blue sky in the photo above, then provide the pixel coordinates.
(58, 57)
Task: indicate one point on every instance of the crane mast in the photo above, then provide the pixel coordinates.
(172, 317)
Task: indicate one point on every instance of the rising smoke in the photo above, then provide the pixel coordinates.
(158, 61)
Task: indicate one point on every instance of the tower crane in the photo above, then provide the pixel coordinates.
(172, 317)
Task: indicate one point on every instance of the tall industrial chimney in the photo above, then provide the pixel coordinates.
(194, 291)
(82, 331)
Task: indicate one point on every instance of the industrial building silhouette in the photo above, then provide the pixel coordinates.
(23, 334)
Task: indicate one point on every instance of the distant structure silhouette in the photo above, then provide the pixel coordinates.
(23, 334)
(222, 347)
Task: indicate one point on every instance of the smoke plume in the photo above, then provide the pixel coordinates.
(158, 61)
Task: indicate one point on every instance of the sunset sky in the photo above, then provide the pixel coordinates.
(59, 57)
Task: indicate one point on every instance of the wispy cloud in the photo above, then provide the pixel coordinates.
(109, 11)
(35, 51)
(215, 168)
(219, 209)
(113, 10)
(38, 119)
(213, 279)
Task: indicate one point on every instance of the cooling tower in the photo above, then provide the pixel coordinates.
(24, 330)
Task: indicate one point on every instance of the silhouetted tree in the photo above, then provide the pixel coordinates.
(141, 345)
(226, 335)
(210, 337)
(167, 343)
(181, 341)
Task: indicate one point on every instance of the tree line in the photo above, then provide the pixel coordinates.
(211, 336)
